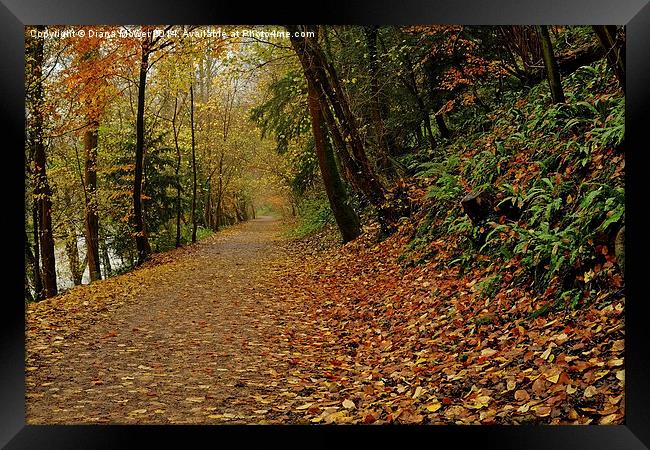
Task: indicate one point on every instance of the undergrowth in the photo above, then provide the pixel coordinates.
(556, 175)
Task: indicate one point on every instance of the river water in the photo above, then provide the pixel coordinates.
(63, 274)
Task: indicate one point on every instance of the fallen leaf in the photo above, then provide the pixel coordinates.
(521, 395)
(590, 391)
(433, 407)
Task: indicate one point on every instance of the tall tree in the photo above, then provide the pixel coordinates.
(39, 292)
(346, 218)
(194, 221)
(42, 191)
(340, 121)
(552, 71)
(377, 106)
(176, 131)
(92, 215)
(149, 46)
(141, 241)
(92, 90)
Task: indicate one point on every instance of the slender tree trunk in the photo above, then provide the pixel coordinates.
(219, 209)
(141, 240)
(411, 84)
(39, 292)
(346, 219)
(178, 178)
(377, 105)
(108, 270)
(436, 102)
(552, 71)
(194, 223)
(614, 50)
(207, 214)
(442, 126)
(42, 191)
(72, 252)
(29, 264)
(92, 216)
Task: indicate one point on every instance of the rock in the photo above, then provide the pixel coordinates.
(477, 205)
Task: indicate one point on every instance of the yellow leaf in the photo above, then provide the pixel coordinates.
(615, 362)
(480, 402)
(433, 407)
(553, 378)
(608, 419)
(600, 374)
(418, 392)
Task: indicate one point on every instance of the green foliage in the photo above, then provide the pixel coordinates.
(314, 214)
(543, 160)
(445, 187)
(612, 132)
(283, 116)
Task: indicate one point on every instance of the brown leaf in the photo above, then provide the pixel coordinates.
(521, 395)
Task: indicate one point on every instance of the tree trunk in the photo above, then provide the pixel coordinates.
(377, 106)
(220, 194)
(442, 126)
(91, 216)
(141, 241)
(207, 214)
(30, 263)
(346, 219)
(42, 191)
(72, 252)
(343, 128)
(178, 178)
(552, 71)
(108, 270)
(39, 292)
(614, 49)
(194, 223)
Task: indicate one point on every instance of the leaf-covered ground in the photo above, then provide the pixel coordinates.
(249, 326)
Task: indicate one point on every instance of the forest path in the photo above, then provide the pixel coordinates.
(195, 338)
(248, 326)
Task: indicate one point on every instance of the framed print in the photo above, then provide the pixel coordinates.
(361, 220)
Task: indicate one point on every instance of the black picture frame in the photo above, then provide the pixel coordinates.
(635, 14)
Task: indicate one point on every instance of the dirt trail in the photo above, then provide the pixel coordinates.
(198, 339)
